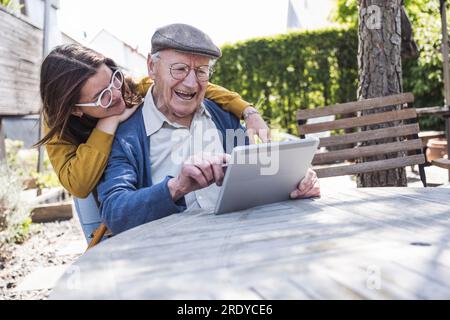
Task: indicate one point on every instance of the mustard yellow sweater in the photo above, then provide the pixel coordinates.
(79, 168)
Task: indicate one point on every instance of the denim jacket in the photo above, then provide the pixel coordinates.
(127, 196)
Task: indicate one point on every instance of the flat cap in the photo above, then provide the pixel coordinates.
(185, 38)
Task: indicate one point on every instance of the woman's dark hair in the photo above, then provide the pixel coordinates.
(63, 74)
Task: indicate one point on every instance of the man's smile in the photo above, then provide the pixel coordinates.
(185, 95)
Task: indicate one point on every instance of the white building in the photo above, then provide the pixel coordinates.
(34, 11)
(309, 14)
(133, 62)
(127, 57)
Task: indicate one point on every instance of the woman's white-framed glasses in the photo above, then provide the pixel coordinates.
(105, 98)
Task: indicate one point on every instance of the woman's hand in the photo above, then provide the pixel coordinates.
(126, 114)
(256, 125)
(110, 124)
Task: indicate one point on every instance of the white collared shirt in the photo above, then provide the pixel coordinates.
(171, 144)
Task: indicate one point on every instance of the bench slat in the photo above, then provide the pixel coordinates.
(351, 107)
(391, 132)
(441, 163)
(369, 151)
(370, 166)
(348, 123)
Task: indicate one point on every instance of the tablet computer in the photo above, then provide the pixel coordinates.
(265, 173)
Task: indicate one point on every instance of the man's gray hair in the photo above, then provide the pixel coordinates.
(156, 57)
(212, 63)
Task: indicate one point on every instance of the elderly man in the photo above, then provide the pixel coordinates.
(159, 165)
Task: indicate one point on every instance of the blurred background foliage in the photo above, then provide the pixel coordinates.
(309, 69)
(17, 175)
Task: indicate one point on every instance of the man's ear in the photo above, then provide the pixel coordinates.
(77, 112)
(151, 67)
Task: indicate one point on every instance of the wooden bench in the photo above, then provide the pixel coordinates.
(426, 136)
(400, 138)
(441, 163)
(444, 113)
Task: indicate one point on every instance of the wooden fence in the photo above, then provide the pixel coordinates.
(20, 60)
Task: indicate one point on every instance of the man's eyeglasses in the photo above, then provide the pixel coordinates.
(105, 98)
(180, 71)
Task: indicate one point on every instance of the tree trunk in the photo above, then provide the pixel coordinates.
(380, 74)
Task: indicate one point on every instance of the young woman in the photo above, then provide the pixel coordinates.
(82, 111)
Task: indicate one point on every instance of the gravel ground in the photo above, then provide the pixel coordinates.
(40, 250)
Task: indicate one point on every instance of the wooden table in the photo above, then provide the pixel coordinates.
(388, 243)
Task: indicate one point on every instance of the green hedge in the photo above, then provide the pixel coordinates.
(308, 69)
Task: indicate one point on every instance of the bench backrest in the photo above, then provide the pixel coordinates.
(399, 139)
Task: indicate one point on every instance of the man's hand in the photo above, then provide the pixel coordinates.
(256, 125)
(308, 188)
(198, 172)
